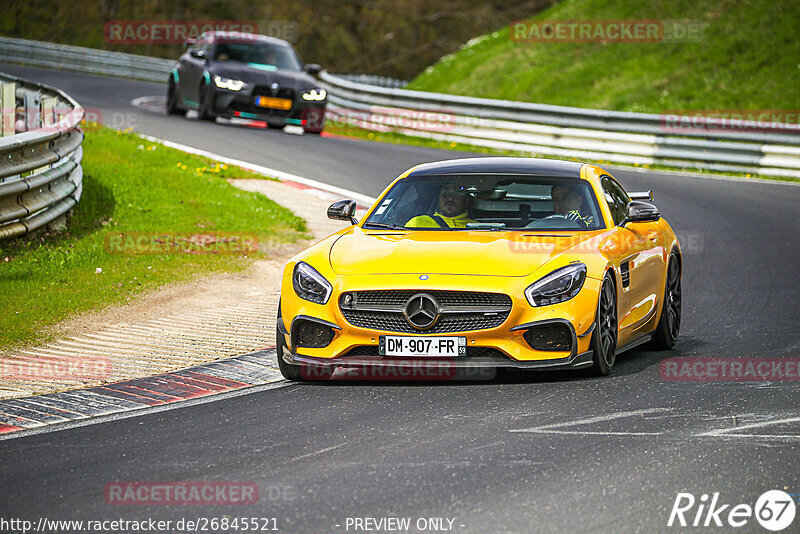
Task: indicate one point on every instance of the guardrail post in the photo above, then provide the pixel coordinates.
(33, 117)
(48, 118)
(8, 105)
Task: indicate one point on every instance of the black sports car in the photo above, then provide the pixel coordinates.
(231, 74)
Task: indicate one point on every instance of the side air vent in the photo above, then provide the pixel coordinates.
(625, 273)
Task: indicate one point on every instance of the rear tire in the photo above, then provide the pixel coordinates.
(669, 325)
(604, 337)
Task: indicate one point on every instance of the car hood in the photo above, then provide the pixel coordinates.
(250, 74)
(459, 252)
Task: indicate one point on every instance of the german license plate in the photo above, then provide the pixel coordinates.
(274, 103)
(422, 346)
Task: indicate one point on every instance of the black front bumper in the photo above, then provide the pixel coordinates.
(242, 105)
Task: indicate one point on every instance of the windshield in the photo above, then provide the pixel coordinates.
(259, 54)
(488, 202)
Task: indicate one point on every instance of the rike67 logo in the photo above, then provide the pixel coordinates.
(775, 510)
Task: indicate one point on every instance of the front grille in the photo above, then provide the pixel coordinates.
(472, 352)
(398, 297)
(461, 311)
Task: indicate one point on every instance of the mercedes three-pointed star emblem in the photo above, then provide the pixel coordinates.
(421, 311)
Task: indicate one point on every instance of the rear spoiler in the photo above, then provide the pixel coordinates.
(642, 195)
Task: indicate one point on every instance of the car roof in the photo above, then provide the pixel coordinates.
(232, 37)
(500, 165)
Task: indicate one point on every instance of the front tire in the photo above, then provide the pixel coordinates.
(172, 99)
(604, 337)
(314, 120)
(669, 325)
(204, 112)
(289, 371)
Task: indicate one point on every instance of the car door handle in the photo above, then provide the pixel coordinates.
(652, 236)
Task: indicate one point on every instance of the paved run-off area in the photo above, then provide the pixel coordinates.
(174, 328)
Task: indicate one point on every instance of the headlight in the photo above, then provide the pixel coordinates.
(229, 83)
(310, 285)
(558, 286)
(314, 94)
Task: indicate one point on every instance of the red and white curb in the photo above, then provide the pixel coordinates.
(213, 378)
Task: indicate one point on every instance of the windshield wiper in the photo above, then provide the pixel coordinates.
(384, 225)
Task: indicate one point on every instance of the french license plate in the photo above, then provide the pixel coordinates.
(274, 103)
(422, 346)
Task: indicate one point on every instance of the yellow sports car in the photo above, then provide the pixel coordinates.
(486, 262)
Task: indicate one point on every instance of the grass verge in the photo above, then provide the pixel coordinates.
(746, 59)
(134, 188)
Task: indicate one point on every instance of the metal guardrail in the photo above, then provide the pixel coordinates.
(636, 138)
(380, 104)
(90, 60)
(371, 79)
(40, 156)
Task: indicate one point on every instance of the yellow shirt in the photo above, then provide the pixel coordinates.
(426, 221)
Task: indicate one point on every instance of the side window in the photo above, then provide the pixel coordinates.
(616, 197)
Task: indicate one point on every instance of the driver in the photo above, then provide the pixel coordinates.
(451, 211)
(567, 202)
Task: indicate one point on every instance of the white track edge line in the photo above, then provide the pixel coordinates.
(267, 171)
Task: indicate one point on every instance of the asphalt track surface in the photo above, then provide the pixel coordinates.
(526, 453)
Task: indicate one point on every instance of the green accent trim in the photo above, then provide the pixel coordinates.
(260, 66)
(248, 115)
(207, 76)
(190, 103)
(175, 75)
(299, 122)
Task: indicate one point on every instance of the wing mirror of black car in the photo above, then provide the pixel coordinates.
(343, 210)
(640, 211)
(313, 69)
(199, 54)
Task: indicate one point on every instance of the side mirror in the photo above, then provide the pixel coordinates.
(199, 54)
(313, 69)
(343, 210)
(639, 211)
